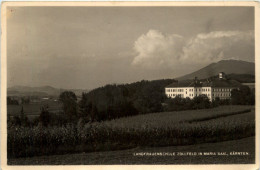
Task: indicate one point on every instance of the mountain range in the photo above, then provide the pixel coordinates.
(226, 66)
(39, 91)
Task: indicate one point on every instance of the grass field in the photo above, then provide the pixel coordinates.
(156, 129)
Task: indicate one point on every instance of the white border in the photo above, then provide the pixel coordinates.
(130, 3)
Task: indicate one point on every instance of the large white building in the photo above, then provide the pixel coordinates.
(220, 87)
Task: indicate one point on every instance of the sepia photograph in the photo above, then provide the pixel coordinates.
(129, 84)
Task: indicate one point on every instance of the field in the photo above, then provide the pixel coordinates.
(33, 109)
(151, 130)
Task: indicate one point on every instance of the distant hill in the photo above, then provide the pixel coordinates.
(227, 66)
(39, 91)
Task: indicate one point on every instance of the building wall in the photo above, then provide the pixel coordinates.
(191, 92)
(222, 92)
(180, 91)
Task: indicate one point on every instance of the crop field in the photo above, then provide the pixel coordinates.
(169, 119)
(33, 108)
(156, 129)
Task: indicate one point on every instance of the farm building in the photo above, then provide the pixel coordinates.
(220, 87)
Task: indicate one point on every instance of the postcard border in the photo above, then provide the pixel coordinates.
(118, 3)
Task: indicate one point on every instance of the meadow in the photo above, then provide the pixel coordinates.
(34, 109)
(155, 129)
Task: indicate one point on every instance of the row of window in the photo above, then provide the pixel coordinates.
(181, 95)
(222, 95)
(203, 90)
(222, 89)
(175, 90)
(173, 95)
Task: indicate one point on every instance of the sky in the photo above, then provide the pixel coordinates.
(89, 47)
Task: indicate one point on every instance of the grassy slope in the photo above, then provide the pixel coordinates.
(126, 156)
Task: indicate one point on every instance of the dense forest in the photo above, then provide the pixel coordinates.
(113, 101)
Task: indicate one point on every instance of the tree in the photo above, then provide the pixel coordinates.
(69, 102)
(44, 116)
(11, 101)
(23, 118)
(94, 112)
(243, 96)
(201, 102)
(25, 100)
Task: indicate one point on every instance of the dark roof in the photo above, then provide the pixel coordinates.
(213, 83)
(184, 84)
(221, 83)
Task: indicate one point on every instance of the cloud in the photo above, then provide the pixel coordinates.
(157, 50)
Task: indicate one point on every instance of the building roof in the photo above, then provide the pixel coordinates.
(213, 83)
(221, 83)
(184, 84)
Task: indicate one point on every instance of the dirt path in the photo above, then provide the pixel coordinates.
(243, 146)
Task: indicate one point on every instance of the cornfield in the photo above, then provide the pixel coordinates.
(157, 129)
